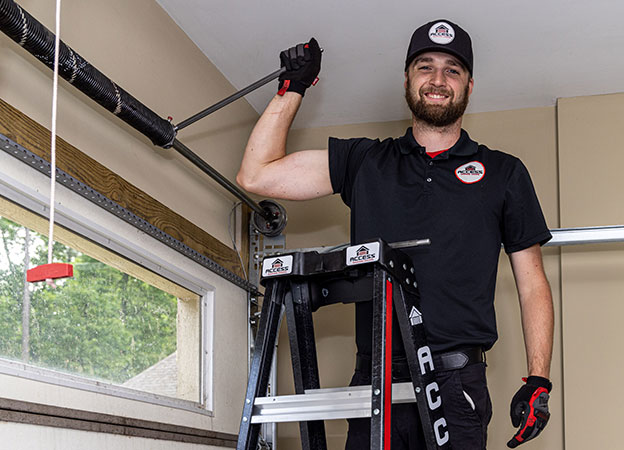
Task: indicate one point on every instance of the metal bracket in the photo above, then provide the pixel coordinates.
(261, 246)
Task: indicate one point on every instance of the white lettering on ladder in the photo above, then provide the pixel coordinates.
(439, 424)
(433, 404)
(432, 391)
(424, 357)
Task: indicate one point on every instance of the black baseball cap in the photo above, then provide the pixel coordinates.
(441, 36)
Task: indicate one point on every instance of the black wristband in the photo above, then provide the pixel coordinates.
(293, 86)
(535, 380)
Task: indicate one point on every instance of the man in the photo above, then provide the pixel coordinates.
(434, 182)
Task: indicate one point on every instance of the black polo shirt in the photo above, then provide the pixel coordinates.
(467, 200)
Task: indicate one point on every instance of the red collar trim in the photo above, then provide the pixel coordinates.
(434, 154)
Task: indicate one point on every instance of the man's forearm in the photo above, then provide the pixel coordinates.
(267, 142)
(536, 308)
(537, 325)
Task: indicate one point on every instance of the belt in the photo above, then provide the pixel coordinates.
(453, 360)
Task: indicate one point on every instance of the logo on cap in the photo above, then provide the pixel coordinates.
(471, 172)
(441, 33)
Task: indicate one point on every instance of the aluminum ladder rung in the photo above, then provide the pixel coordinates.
(324, 404)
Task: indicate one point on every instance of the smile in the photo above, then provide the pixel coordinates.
(436, 96)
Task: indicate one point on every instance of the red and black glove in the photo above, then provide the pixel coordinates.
(303, 64)
(529, 409)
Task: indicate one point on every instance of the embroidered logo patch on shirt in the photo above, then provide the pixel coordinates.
(470, 172)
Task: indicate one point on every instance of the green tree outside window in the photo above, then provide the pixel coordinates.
(102, 323)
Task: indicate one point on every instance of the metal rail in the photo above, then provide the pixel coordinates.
(586, 235)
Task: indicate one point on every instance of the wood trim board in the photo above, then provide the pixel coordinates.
(36, 138)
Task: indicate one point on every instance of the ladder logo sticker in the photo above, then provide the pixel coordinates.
(361, 254)
(415, 317)
(281, 265)
(470, 172)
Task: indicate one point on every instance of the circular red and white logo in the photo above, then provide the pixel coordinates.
(441, 33)
(470, 172)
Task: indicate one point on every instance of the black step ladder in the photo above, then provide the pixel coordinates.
(304, 281)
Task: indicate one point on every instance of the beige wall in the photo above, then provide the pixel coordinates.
(591, 132)
(137, 45)
(529, 134)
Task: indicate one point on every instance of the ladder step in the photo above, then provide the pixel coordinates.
(324, 404)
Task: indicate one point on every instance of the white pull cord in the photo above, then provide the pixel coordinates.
(57, 40)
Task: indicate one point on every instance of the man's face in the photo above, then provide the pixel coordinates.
(437, 88)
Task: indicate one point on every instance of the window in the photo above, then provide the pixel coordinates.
(113, 321)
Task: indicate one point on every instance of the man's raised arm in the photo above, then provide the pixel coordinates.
(266, 169)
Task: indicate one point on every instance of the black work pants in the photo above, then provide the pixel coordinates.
(467, 424)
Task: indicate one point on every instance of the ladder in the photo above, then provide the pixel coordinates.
(301, 283)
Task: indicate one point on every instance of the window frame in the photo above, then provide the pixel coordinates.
(32, 200)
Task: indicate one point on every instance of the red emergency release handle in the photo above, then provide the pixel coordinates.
(49, 272)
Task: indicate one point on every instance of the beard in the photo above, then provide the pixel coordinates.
(436, 115)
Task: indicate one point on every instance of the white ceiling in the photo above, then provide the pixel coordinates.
(528, 53)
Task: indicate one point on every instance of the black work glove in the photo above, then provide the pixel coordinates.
(303, 64)
(529, 409)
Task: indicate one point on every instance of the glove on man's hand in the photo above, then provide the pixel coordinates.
(529, 409)
(303, 64)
